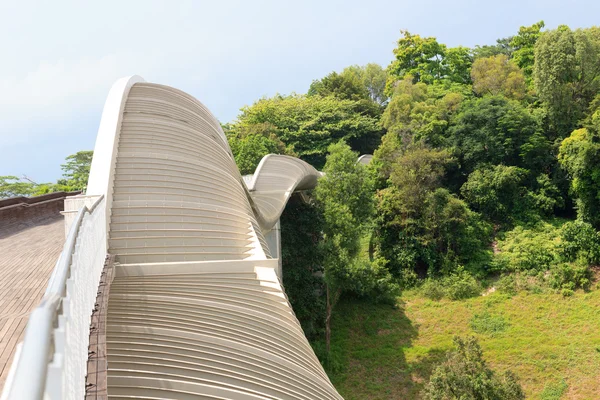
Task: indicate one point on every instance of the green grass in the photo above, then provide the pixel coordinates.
(552, 343)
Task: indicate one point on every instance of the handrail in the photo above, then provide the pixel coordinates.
(29, 380)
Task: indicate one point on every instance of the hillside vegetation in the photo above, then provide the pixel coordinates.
(460, 263)
(550, 342)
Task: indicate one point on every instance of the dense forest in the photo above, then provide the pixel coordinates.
(485, 177)
(482, 199)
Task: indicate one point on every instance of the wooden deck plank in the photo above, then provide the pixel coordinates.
(27, 258)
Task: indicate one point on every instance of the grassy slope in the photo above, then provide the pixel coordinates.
(389, 353)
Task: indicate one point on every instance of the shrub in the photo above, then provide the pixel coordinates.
(507, 284)
(579, 240)
(461, 285)
(458, 285)
(432, 289)
(568, 277)
(464, 375)
(524, 249)
(488, 323)
(372, 280)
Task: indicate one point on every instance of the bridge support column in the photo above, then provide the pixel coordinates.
(273, 238)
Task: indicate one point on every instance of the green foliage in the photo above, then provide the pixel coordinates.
(491, 130)
(568, 277)
(421, 58)
(580, 155)
(507, 284)
(371, 280)
(374, 77)
(307, 125)
(301, 226)
(523, 45)
(566, 74)
(546, 197)
(498, 75)
(457, 285)
(464, 375)
(488, 323)
(76, 170)
(502, 46)
(554, 390)
(529, 248)
(345, 196)
(421, 113)
(580, 241)
(426, 60)
(420, 224)
(497, 192)
(342, 86)
(250, 143)
(354, 83)
(12, 186)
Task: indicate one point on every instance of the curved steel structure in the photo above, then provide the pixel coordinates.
(196, 308)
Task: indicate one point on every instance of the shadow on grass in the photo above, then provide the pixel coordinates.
(368, 353)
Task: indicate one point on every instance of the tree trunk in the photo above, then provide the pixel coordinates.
(328, 322)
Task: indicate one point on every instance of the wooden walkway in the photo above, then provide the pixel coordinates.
(27, 258)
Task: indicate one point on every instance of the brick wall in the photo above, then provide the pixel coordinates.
(18, 210)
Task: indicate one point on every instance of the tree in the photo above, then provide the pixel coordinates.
(465, 376)
(418, 57)
(346, 199)
(499, 192)
(374, 77)
(344, 86)
(492, 130)
(498, 75)
(502, 46)
(457, 64)
(250, 143)
(12, 186)
(76, 171)
(523, 44)
(566, 74)
(420, 112)
(354, 83)
(426, 60)
(579, 154)
(307, 125)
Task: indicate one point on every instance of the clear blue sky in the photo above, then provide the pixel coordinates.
(60, 58)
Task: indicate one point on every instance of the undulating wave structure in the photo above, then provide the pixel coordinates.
(196, 308)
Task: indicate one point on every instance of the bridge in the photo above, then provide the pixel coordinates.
(169, 283)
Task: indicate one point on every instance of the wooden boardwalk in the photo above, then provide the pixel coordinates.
(27, 258)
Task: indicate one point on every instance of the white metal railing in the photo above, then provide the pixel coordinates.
(55, 347)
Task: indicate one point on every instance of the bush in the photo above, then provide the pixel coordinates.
(464, 375)
(461, 285)
(372, 280)
(488, 323)
(458, 285)
(579, 240)
(507, 284)
(526, 249)
(568, 277)
(432, 289)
